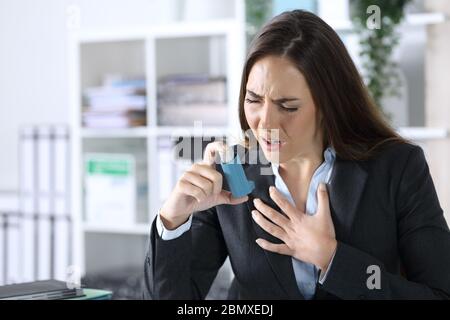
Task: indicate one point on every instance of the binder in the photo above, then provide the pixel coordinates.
(166, 169)
(46, 224)
(13, 249)
(36, 236)
(9, 240)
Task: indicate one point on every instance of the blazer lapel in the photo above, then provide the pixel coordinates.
(345, 189)
(281, 264)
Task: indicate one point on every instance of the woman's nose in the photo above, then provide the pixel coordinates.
(268, 116)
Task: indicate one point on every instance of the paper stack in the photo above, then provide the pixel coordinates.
(118, 103)
(185, 99)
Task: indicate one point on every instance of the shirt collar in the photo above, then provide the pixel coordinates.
(329, 155)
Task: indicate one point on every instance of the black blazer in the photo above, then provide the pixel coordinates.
(385, 212)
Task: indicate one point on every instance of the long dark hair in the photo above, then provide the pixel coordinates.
(352, 124)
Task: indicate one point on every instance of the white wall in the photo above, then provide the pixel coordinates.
(33, 60)
(407, 109)
(437, 113)
(32, 77)
(412, 63)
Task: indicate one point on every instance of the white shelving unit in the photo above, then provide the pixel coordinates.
(153, 52)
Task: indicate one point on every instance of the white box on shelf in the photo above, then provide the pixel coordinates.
(110, 189)
(166, 172)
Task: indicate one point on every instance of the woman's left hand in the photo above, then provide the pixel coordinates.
(309, 238)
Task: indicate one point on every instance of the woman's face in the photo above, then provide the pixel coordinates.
(280, 110)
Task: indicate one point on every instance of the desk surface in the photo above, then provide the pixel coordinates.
(93, 294)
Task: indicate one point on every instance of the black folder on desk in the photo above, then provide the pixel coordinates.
(39, 290)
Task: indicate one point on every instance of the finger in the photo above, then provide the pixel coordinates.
(323, 203)
(281, 248)
(189, 189)
(227, 198)
(211, 174)
(268, 226)
(270, 213)
(282, 202)
(211, 150)
(197, 180)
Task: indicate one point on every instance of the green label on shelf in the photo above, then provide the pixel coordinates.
(109, 167)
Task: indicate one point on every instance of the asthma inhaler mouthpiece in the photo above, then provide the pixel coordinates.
(235, 175)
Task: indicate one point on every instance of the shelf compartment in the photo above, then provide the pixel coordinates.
(113, 88)
(136, 148)
(191, 87)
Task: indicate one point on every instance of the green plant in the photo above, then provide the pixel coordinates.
(378, 43)
(257, 12)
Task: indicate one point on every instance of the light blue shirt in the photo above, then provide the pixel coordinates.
(306, 274)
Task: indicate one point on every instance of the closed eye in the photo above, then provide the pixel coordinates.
(288, 109)
(250, 101)
(283, 108)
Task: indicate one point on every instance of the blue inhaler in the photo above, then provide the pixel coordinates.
(235, 175)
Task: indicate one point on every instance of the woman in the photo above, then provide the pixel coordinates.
(349, 211)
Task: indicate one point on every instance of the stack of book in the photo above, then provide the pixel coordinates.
(40, 290)
(118, 103)
(184, 99)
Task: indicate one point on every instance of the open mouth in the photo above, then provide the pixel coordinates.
(272, 144)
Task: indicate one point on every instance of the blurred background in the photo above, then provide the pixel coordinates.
(95, 95)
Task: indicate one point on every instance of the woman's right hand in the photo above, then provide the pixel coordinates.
(198, 189)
